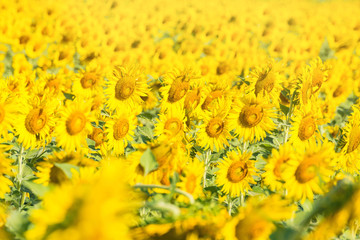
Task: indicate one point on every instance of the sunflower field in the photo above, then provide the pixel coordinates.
(171, 120)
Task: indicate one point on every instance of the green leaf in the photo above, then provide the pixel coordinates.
(325, 51)
(285, 233)
(27, 173)
(66, 168)
(146, 131)
(37, 189)
(148, 162)
(69, 96)
(17, 223)
(284, 109)
(90, 143)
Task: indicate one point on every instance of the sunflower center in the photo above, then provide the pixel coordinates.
(215, 127)
(338, 91)
(2, 113)
(35, 120)
(192, 99)
(140, 170)
(121, 128)
(222, 68)
(124, 88)
(190, 183)
(317, 79)
(257, 228)
(251, 115)
(354, 139)
(57, 176)
(174, 125)
(53, 84)
(237, 172)
(88, 80)
(278, 169)
(265, 82)
(305, 92)
(305, 171)
(307, 128)
(97, 136)
(75, 123)
(178, 90)
(211, 97)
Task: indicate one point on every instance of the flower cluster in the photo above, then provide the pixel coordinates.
(179, 120)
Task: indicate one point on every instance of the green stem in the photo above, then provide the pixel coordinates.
(229, 205)
(207, 159)
(176, 190)
(19, 176)
(242, 199)
(288, 117)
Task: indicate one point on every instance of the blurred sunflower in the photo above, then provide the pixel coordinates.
(214, 91)
(311, 169)
(311, 80)
(171, 124)
(89, 81)
(276, 166)
(190, 181)
(236, 173)
(70, 208)
(48, 172)
(119, 130)
(5, 171)
(8, 114)
(305, 124)
(176, 84)
(350, 151)
(266, 81)
(256, 220)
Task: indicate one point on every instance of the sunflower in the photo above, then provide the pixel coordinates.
(351, 152)
(126, 87)
(276, 166)
(99, 137)
(87, 208)
(5, 171)
(311, 79)
(119, 130)
(35, 121)
(89, 81)
(305, 124)
(171, 124)
(176, 84)
(250, 118)
(214, 131)
(190, 181)
(311, 169)
(48, 172)
(256, 220)
(236, 173)
(150, 101)
(8, 115)
(266, 81)
(193, 99)
(214, 92)
(74, 125)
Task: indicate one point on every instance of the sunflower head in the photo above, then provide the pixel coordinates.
(251, 118)
(236, 173)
